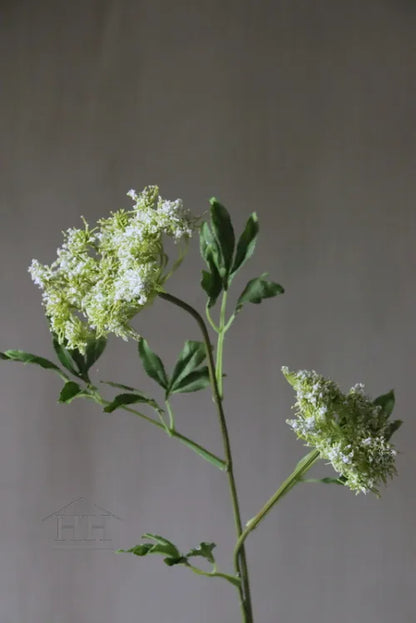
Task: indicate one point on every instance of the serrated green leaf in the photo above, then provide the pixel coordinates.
(192, 382)
(191, 356)
(94, 350)
(204, 550)
(246, 243)
(386, 402)
(70, 391)
(64, 356)
(258, 289)
(224, 234)
(152, 364)
(129, 399)
(23, 357)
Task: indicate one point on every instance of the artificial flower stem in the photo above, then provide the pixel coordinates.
(301, 468)
(216, 574)
(240, 560)
(196, 447)
(171, 417)
(220, 343)
(210, 320)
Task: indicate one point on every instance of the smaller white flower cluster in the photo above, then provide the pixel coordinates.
(104, 276)
(349, 430)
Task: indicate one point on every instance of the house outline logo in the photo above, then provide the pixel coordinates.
(81, 524)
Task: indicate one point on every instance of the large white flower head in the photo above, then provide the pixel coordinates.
(103, 276)
(349, 430)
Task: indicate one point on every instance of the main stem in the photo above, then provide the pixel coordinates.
(240, 559)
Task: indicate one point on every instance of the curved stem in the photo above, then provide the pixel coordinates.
(210, 320)
(240, 560)
(171, 417)
(215, 574)
(196, 447)
(301, 468)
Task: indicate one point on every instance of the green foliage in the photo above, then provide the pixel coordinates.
(386, 402)
(327, 480)
(246, 243)
(70, 391)
(157, 545)
(224, 259)
(23, 357)
(193, 382)
(258, 289)
(95, 349)
(211, 281)
(224, 235)
(74, 361)
(152, 364)
(204, 550)
(120, 386)
(129, 399)
(187, 376)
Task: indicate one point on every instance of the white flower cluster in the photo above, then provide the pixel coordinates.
(349, 430)
(103, 276)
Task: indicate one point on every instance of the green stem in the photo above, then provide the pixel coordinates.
(210, 320)
(216, 574)
(220, 343)
(301, 468)
(196, 447)
(240, 560)
(171, 417)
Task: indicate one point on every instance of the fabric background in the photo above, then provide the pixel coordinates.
(303, 111)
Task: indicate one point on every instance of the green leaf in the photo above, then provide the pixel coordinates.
(211, 281)
(386, 402)
(192, 382)
(158, 545)
(204, 550)
(69, 357)
(209, 248)
(162, 545)
(224, 234)
(212, 284)
(129, 399)
(23, 357)
(191, 356)
(258, 289)
(246, 243)
(64, 356)
(79, 359)
(138, 550)
(70, 391)
(120, 386)
(392, 427)
(152, 364)
(328, 481)
(95, 349)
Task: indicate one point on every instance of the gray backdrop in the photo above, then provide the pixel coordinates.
(304, 111)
